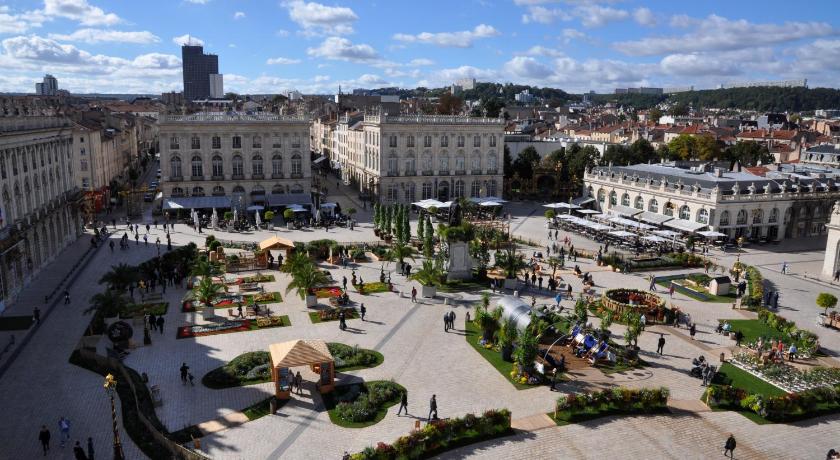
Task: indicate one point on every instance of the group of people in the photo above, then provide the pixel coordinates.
(79, 452)
(448, 321)
(153, 322)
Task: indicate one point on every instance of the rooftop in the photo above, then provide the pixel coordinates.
(231, 117)
(21, 124)
(433, 119)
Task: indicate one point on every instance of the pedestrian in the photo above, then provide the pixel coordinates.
(36, 315)
(740, 336)
(776, 300)
(90, 448)
(185, 371)
(643, 321)
(152, 322)
(111, 245)
(729, 447)
(66, 297)
(146, 239)
(79, 451)
(452, 319)
(661, 344)
(446, 322)
(692, 330)
(569, 289)
(403, 403)
(837, 275)
(671, 289)
(432, 408)
(239, 311)
(44, 437)
(413, 294)
(555, 379)
(652, 284)
(64, 430)
(136, 239)
(148, 227)
(190, 377)
(344, 282)
(363, 310)
(299, 382)
(160, 324)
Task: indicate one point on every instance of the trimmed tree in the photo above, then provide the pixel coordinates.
(826, 301)
(550, 214)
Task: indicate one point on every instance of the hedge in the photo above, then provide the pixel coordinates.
(780, 409)
(585, 406)
(806, 341)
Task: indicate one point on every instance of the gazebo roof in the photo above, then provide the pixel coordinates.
(299, 353)
(276, 241)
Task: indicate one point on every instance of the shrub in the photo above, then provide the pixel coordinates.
(347, 356)
(246, 368)
(369, 400)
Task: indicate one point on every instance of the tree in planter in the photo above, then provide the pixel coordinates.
(288, 215)
(488, 321)
(581, 314)
(428, 239)
(208, 240)
(294, 261)
(228, 216)
(430, 274)
(550, 214)
(634, 327)
(121, 276)
(507, 336)
(481, 255)
(269, 216)
(389, 215)
(401, 250)
(108, 303)
(204, 268)
(826, 301)
(554, 263)
(406, 224)
(421, 226)
(304, 278)
(510, 261)
(526, 350)
(206, 291)
(351, 212)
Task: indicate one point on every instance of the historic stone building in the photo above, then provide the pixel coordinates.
(215, 159)
(406, 158)
(42, 210)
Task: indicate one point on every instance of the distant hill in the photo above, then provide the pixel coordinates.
(762, 99)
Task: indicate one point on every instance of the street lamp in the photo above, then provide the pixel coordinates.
(110, 386)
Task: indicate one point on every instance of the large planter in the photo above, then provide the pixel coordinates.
(428, 291)
(311, 301)
(511, 283)
(289, 226)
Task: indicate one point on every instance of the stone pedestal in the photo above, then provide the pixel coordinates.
(832, 248)
(460, 264)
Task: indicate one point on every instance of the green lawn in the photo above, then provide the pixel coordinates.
(262, 408)
(709, 297)
(753, 329)
(316, 318)
(565, 417)
(464, 285)
(473, 334)
(331, 401)
(15, 323)
(735, 377)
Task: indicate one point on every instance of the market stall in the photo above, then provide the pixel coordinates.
(295, 353)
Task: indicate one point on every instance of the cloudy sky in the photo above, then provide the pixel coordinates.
(269, 46)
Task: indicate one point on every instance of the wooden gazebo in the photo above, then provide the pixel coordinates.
(295, 353)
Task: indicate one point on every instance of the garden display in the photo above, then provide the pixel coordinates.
(781, 409)
(361, 403)
(225, 327)
(245, 369)
(621, 300)
(347, 357)
(327, 292)
(370, 288)
(585, 406)
(786, 376)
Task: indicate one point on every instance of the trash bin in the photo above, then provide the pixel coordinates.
(272, 404)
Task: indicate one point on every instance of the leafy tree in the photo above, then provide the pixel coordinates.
(206, 291)
(550, 214)
(120, 277)
(203, 267)
(526, 349)
(449, 104)
(510, 261)
(508, 333)
(654, 115)
(525, 163)
(428, 239)
(579, 159)
(305, 277)
(749, 153)
(109, 303)
(430, 273)
(421, 226)
(401, 250)
(826, 301)
(678, 109)
(688, 147)
(634, 327)
(507, 163)
(488, 321)
(481, 255)
(492, 106)
(389, 215)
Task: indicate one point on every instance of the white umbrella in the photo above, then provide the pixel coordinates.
(214, 219)
(235, 214)
(257, 219)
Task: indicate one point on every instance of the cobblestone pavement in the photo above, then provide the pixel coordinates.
(419, 355)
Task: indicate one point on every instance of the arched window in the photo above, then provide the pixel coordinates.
(459, 189)
(703, 216)
(757, 216)
(278, 190)
(669, 209)
(257, 165)
(601, 196)
(426, 162)
(443, 190)
(625, 199)
(639, 203)
(774, 216)
(195, 142)
(14, 165)
(238, 166)
(460, 162)
(492, 188)
(218, 191)
(613, 198)
(724, 218)
(475, 189)
(475, 162)
(410, 165)
(685, 212)
(297, 165)
(427, 190)
(742, 217)
(444, 164)
(258, 190)
(197, 166)
(238, 189)
(198, 191)
(491, 162)
(175, 167)
(277, 166)
(177, 191)
(218, 166)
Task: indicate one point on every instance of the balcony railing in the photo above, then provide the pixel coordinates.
(443, 172)
(277, 176)
(492, 171)
(257, 176)
(238, 177)
(411, 173)
(475, 172)
(220, 177)
(392, 173)
(196, 177)
(296, 175)
(460, 172)
(428, 173)
(174, 178)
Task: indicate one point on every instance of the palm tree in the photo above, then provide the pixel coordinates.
(295, 261)
(109, 303)
(203, 267)
(306, 277)
(120, 277)
(206, 291)
(401, 251)
(488, 321)
(554, 262)
(430, 274)
(510, 262)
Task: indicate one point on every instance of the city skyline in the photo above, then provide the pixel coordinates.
(272, 47)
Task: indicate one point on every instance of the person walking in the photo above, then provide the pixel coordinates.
(190, 377)
(185, 371)
(413, 294)
(36, 315)
(299, 382)
(660, 344)
(160, 322)
(446, 322)
(146, 239)
(837, 275)
(729, 447)
(66, 297)
(671, 290)
(90, 448)
(432, 408)
(152, 322)
(452, 319)
(363, 310)
(403, 403)
(555, 379)
(44, 438)
(111, 245)
(344, 282)
(692, 330)
(643, 321)
(652, 287)
(64, 430)
(79, 451)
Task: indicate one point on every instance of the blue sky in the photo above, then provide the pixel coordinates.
(274, 46)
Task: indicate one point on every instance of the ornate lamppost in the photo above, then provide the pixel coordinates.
(110, 387)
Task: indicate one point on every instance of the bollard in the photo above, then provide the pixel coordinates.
(446, 300)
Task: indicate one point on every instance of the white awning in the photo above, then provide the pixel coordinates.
(588, 211)
(621, 234)
(654, 239)
(666, 233)
(685, 225)
(255, 207)
(490, 203)
(320, 159)
(328, 205)
(653, 217)
(711, 234)
(426, 204)
(622, 210)
(580, 201)
(568, 217)
(561, 205)
(494, 198)
(196, 202)
(631, 223)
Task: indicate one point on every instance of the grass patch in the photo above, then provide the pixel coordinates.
(464, 285)
(355, 394)
(315, 316)
(262, 298)
(372, 288)
(269, 322)
(753, 329)
(738, 378)
(349, 358)
(262, 408)
(246, 369)
(567, 418)
(15, 323)
(729, 298)
(493, 357)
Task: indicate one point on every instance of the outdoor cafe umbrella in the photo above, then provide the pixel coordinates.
(257, 219)
(235, 214)
(214, 219)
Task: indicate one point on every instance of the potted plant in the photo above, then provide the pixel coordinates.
(305, 276)
(826, 301)
(429, 276)
(269, 219)
(511, 263)
(205, 292)
(507, 335)
(288, 215)
(228, 216)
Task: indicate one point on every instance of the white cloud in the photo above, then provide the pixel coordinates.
(107, 36)
(542, 15)
(198, 2)
(342, 49)
(719, 33)
(317, 18)
(239, 15)
(828, 52)
(282, 61)
(462, 39)
(572, 34)
(17, 23)
(699, 64)
(81, 11)
(371, 79)
(596, 15)
(321, 78)
(420, 62)
(187, 39)
(539, 50)
(645, 17)
(157, 61)
(527, 67)
(282, 33)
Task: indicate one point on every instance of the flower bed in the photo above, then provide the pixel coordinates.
(362, 404)
(331, 314)
(258, 278)
(442, 435)
(777, 409)
(370, 288)
(621, 300)
(226, 327)
(579, 407)
(349, 358)
(326, 292)
(786, 376)
(140, 309)
(262, 298)
(806, 342)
